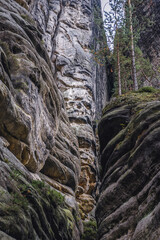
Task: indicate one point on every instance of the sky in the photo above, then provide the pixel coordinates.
(106, 4)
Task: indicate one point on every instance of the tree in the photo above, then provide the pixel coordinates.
(113, 22)
(132, 47)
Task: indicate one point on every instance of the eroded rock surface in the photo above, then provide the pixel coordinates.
(148, 13)
(31, 209)
(51, 90)
(129, 203)
(68, 34)
(33, 117)
(33, 120)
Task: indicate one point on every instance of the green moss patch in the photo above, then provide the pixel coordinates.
(146, 94)
(90, 230)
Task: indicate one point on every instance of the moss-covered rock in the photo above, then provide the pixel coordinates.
(29, 208)
(128, 203)
(90, 230)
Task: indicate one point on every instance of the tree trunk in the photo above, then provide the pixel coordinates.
(132, 48)
(119, 70)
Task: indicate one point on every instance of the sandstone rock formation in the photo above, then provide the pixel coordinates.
(51, 90)
(68, 33)
(33, 123)
(129, 205)
(29, 208)
(148, 14)
(33, 118)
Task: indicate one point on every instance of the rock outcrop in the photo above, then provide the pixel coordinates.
(33, 117)
(31, 209)
(68, 31)
(51, 91)
(33, 123)
(148, 14)
(129, 202)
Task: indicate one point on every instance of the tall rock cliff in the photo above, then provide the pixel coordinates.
(129, 201)
(51, 91)
(68, 33)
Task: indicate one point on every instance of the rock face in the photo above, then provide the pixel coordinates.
(68, 32)
(51, 90)
(150, 38)
(33, 118)
(129, 202)
(30, 209)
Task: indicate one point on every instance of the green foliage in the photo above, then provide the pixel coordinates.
(19, 200)
(147, 89)
(90, 230)
(37, 184)
(132, 98)
(118, 31)
(15, 174)
(56, 198)
(99, 49)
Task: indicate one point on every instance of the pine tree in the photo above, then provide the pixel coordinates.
(113, 22)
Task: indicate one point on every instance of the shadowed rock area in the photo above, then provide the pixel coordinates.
(48, 94)
(128, 205)
(30, 208)
(69, 35)
(33, 121)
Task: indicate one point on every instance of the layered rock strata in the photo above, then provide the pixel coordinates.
(45, 50)
(33, 120)
(33, 117)
(129, 203)
(29, 208)
(68, 31)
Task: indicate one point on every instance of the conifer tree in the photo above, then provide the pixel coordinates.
(113, 22)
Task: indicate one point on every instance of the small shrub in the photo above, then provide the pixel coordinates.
(147, 89)
(38, 184)
(20, 200)
(56, 197)
(15, 174)
(90, 230)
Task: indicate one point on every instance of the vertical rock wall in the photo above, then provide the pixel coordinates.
(129, 202)
(46, 45)
(148, 13)
(68, 34)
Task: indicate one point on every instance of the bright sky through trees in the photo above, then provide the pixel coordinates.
(105, 6)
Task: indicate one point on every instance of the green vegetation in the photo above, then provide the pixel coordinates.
(146, 94)
(55, 197)
(130, 69)
(90, 230)
(100, 48)
(148, 89)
